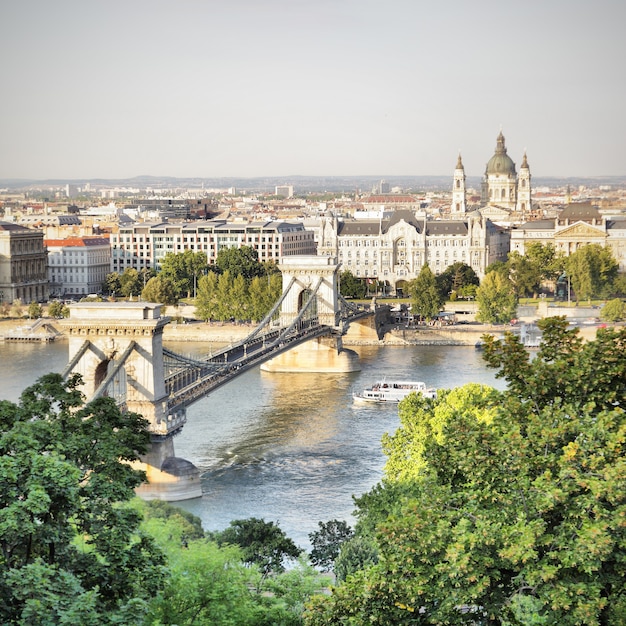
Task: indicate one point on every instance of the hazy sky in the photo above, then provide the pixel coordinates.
(119, 88)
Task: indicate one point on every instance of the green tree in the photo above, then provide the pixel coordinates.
(619, 284)
(240, 301)
(425, 297)
(515, 513)
(327, 542)
(546, 259)
(263, 543)
(497, 302)
(613, 311)
(160, 289)
(69, 553)
(524, 275)
(350, 286)
(58, 309)
(34, 310)
(207, 304)
(210, 584)
(224, 296)
(455, 279)
(112, 284)
(242, 261)
(356, 554)
(592, 270)
(130, 282)
(184, 269)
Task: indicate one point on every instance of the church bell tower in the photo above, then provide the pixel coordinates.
(459, 194)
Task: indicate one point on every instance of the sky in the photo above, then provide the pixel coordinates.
(247, 88)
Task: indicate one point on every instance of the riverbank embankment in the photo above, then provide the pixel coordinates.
(219, 333)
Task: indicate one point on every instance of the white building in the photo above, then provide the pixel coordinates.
(285, 191)
(77, 266)
(144, 245)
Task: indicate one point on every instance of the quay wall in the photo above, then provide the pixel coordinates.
(222, 334)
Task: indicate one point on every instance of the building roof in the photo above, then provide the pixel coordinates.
(390, 198)
(359, 227)
(446, 227)
(76, 242)
(580, 211)
(407, 216)
(15, 227)
(547, 224)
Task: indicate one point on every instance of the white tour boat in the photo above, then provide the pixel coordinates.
(393, 391)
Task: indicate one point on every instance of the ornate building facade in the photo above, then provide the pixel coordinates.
(578, 224)
(394, 250)
(502, 186)
(23, 264)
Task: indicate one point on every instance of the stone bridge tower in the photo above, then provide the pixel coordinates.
(322, 354)
(308, 271)
(117, 348)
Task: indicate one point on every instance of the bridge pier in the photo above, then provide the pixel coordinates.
(322, 354)
(117, 348)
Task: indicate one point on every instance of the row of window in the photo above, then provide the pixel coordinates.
(401, 243)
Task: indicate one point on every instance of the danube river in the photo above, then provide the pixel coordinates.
(288, 448)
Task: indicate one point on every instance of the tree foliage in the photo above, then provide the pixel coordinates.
(160, 289)
(35, 310)
(524, 275)
(546, 260)
(327, 542)
(183, 270)
(425, 297)
(497, 302)
(68, 552)
(455, 280)
(243, 261)
(508, 506)
(57, 309)
(350, 286)
(223, 297)
(131, 283)
(613, 311)
(262, 543)
(592, 270)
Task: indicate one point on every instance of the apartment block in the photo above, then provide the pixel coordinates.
(144, 245)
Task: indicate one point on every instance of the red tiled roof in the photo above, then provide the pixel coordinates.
(76, 242)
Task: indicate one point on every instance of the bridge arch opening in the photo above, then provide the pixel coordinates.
(101, 373)
(303, 299)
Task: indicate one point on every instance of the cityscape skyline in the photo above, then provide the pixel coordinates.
(286, 88)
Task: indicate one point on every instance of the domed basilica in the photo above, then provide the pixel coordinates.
(501, 186)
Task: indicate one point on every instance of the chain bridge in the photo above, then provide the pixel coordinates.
(117, 348)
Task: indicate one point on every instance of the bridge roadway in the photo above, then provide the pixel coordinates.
(187, 380)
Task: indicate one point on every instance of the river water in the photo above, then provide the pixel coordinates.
(288, 448)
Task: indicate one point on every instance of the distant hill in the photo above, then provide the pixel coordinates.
(302, 184)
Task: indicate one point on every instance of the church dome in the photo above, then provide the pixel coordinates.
(500, 162)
